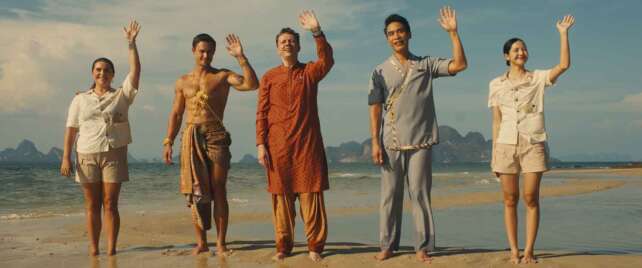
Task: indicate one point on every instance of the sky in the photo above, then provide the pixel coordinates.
(47, 47)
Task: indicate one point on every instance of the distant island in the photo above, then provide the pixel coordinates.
(452, 148)
(26, 152)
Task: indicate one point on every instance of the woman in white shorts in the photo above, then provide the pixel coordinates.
(99, 116)
(519, 137)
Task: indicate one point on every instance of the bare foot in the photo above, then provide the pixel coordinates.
(111, 252)
(93, 252)
(199, 249)
(279, 256)
(422, 256)
(315, 257)
(528, 258)
(384, 254)
(514, 257)
(223, 251)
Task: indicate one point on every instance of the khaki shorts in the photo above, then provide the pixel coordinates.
(110, 166)
(522, 157)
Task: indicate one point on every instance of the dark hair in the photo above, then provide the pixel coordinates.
(396, 18)
(104, 60)
(288, 30)
(203, 37)
(508, 44)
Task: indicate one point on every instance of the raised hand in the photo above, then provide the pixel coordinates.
(309, 21)
(447, 19)
(565, 23)
(234, 46)
(131, 31)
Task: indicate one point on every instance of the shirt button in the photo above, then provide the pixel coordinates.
(515, 99)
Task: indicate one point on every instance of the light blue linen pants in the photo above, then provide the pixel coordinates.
(414, 169)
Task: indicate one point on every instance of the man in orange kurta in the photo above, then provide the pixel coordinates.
(288, 137)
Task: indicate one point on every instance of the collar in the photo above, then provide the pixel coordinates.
(412, 60)
(91, 92)
(529, 76)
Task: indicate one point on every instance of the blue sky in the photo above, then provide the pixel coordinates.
(46, 47)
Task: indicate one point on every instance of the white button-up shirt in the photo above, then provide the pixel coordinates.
(521, 105)
(102, 120)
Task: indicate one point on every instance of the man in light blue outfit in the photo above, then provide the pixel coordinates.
(403, 126)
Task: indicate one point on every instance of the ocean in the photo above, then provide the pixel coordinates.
(602, 221)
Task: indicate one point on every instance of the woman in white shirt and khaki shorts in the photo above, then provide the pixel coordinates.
(99, 116)
(519, 137)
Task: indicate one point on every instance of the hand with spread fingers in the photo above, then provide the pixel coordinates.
(234, 46)
(447, 19)
(131, 31)
(565, 23)
(308, 21)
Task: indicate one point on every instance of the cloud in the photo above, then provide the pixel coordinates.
(54, 44)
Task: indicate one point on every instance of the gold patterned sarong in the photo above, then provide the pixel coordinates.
(203, 145)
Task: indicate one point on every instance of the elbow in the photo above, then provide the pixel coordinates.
(564, 66)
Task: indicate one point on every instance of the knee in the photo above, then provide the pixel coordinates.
(531, 200)
(511, 199)
(93, 205)
(110, 205)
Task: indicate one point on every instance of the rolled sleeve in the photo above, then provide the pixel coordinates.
(439, 66)
(492, 94)
(73, 113)
(376, 89)
(128, 89)
(545, 77)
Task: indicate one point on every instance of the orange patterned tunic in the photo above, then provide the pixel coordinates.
(287, 123)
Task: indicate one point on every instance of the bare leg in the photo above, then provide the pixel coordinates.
(510, 188)
(531, 198)
(93, 204)
(201, 243)
(112, 217)
(221, 207)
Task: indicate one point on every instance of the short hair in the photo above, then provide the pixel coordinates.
(396, 18)
(509, 43)
(287, 30)
(203, 37)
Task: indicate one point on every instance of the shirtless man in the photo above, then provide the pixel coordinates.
(205, 154)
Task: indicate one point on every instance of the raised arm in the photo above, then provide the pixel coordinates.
(248, 81)
(131, 32)
(308, 21)
(565, 52)
(448, 21)
(174, 124)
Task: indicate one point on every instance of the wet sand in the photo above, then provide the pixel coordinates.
(164, 239)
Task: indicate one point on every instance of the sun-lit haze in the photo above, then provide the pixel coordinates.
(47, 46)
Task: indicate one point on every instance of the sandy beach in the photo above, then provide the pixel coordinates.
(164, 238)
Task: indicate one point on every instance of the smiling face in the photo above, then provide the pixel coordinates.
(203, 53)
(517, 55)
(397, 36)
(287, 45)
(103, 73)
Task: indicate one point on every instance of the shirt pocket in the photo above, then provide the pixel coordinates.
(534, 123)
